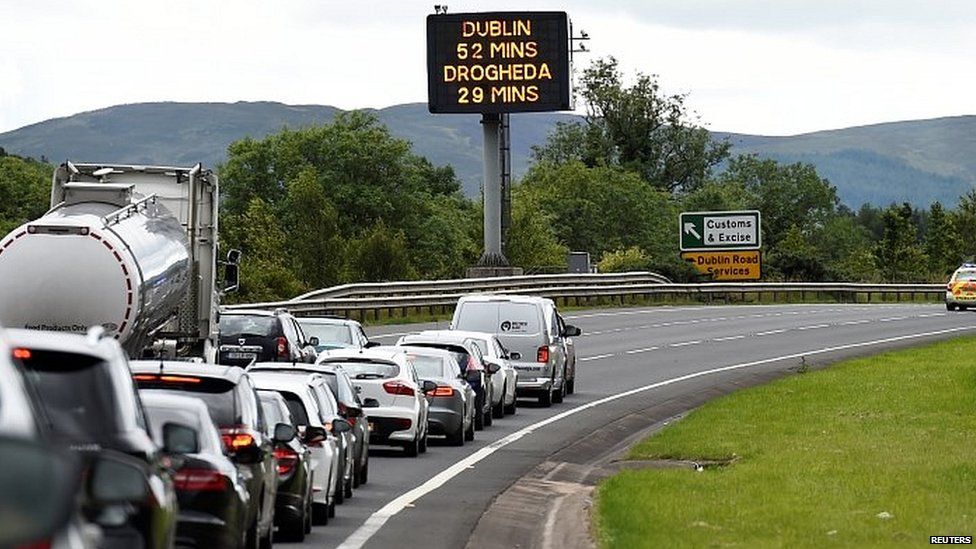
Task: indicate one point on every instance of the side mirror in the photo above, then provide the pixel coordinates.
(313, 341)
(340, 426)
(315, 434)
(493, 367)
(428, 386)
(515, 355)
(571, 331)
(38, 496)
(284, 433)
(232, 271)
(473, 376)
(248, 455)
(371, 344)
(117, 478)
(371, 403)
(180, 439)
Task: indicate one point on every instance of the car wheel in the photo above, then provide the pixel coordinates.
(557, 396)
(309, 506)
(348, 488)
(963, 307)
(331, 511)
(412, 448)
(950, 306)
(364, 472)
(355, 476)
(320, 514)
(479, 416)
(511, 408)
(499, 410)
(339, 498)
(457, 438)
(545, 399)
(469, 434)
(251, 542)
(571, 386)
(423, 444)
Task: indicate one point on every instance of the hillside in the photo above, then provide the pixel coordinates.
(918, 161)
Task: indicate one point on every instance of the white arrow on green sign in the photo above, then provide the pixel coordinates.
(738, 230)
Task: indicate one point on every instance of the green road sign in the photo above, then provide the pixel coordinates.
(719, 230)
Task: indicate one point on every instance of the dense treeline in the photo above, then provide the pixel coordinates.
(347, 201)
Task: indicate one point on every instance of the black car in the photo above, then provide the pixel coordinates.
(350, 407)
(248, 336)
(212, 493)
(293, 504)
(88, 403)
(234, 406)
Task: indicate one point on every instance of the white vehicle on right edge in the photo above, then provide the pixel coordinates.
(961, 289)
(539, 342)
(387, 376)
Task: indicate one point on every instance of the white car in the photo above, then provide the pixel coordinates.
(325, 451)
(387, 376)
(504, 382)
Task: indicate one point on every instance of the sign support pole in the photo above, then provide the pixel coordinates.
(492, 256)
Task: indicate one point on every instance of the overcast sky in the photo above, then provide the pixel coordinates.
(773, 67)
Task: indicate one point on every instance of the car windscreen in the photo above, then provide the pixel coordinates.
(272, 413)
(241, 325)
(76, 393)
(161, 415)
(966, 275)
(328, 333)
(429, 367)
(217, 394)
(368, 370)
(498, 318)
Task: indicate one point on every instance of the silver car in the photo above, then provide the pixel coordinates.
(539, 341)
(503, 399)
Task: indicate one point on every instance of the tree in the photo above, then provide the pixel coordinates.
(266, 274)
(943, 245)
(25, 186)
(624, 260)
(899, 256)
(637, 128)
(532, 240)
(380, 254)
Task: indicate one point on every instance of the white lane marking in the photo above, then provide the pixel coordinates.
(771, 332)
(892, 319)
(376, 521)
(685, 344)
(729, 338)
(644, 350)
(595, 357)
(814, 327)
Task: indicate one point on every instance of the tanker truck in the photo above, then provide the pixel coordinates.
(132, 249)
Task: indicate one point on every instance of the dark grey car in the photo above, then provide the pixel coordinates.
(452, 403)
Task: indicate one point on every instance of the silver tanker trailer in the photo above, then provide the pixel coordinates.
(130, 248)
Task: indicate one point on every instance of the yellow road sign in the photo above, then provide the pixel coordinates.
(730, 265)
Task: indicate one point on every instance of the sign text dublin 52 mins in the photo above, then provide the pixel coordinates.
(719, 230)
(498, 62)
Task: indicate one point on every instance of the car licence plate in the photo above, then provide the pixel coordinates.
(241, 356)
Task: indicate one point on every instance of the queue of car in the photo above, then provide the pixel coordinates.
(263, 445)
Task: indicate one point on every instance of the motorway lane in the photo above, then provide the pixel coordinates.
(620, 350)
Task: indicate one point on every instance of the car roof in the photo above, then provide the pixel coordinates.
(465, 334)
(331, 320)
(230, 373)
(437, 336)
(429, 351)
(268, 379)
(505, 298)
(105, 348)
(385, 354)
(248, 312)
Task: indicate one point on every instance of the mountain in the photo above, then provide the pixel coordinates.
(916, 161)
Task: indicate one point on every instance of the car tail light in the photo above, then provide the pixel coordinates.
(397, 388)
(542, 355)
(236, 438)
(167, 378)
(191, 479)
(401, 423)
(45, 544)
(282, 347)
(22, 354)
(442, 391)
(287, 459)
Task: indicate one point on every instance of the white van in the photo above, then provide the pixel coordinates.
(539, 342)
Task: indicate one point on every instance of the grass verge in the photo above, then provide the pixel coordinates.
(873, 452)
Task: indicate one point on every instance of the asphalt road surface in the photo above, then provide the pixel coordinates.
(631, 361)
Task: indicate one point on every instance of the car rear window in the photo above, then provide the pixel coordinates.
(328, 333)
(217, 394)
(429, 366)
(369, 370)
(498, 318)
(161, 415)
(76, 394)
(240, 325)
